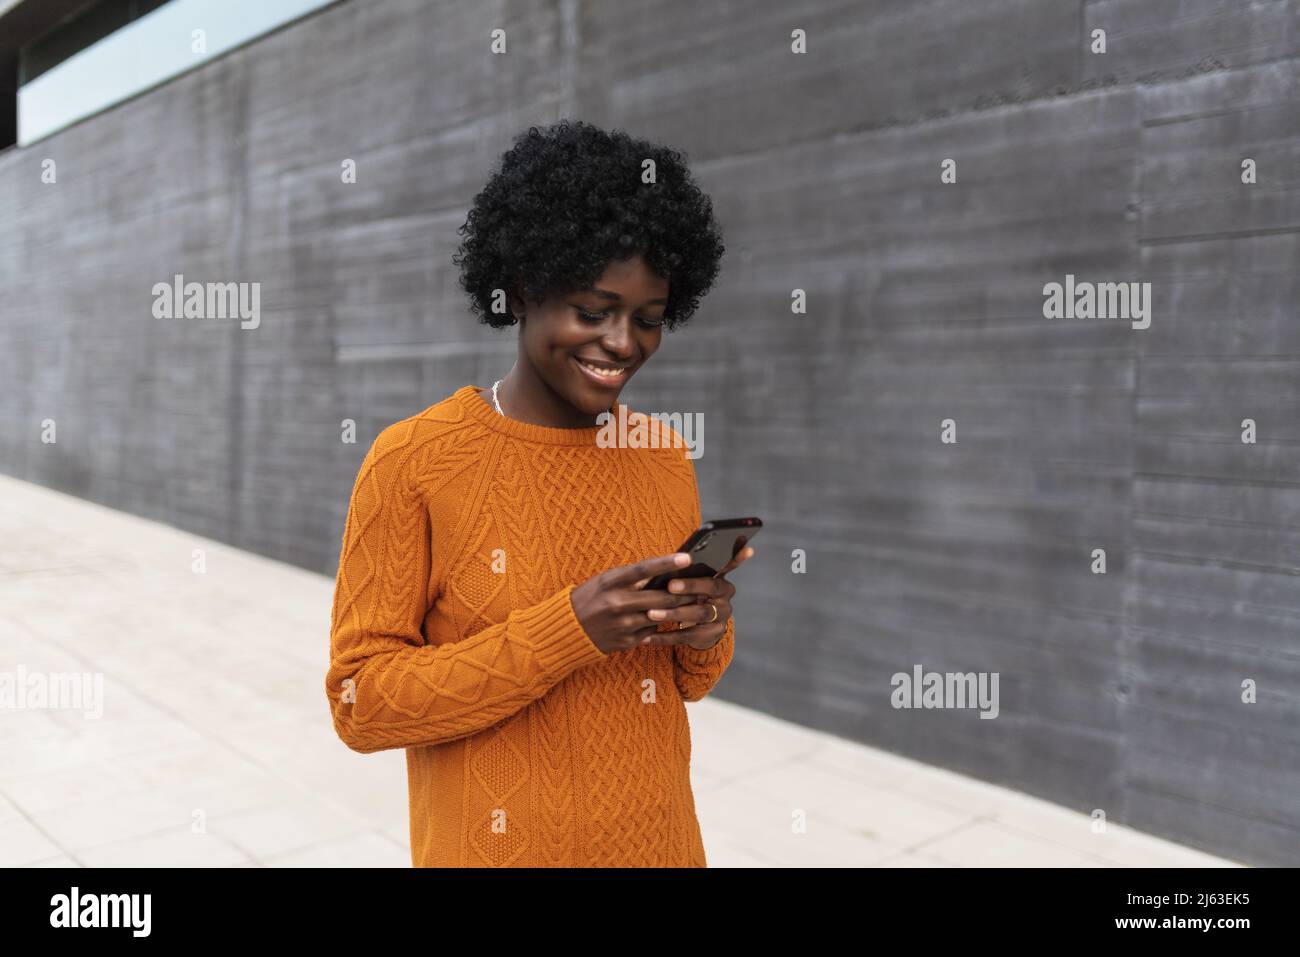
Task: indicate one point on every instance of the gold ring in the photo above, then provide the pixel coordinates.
(715, 614)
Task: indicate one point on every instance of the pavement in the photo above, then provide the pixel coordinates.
(214, 746)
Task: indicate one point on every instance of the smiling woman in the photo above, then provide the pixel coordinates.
(489, 615)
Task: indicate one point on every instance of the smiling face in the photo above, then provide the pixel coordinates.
(578, 351)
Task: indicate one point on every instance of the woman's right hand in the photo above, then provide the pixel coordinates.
(612, 606)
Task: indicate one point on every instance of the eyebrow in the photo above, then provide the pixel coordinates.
(607, 294)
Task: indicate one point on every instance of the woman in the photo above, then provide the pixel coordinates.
(488, 614)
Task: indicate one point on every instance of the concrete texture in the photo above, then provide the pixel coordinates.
(213, 712)
(1120, 692)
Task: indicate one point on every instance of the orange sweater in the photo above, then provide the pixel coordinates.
(453, 636)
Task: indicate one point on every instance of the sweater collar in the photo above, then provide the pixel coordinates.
(480, 410)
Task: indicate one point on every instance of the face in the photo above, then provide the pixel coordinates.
(586, 345)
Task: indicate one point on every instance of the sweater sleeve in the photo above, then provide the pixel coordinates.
(386, 687)
(696, 672)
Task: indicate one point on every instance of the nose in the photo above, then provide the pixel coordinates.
(618, 340)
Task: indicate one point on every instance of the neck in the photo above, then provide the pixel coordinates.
(525, 396)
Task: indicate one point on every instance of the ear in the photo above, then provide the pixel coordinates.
(518, 308)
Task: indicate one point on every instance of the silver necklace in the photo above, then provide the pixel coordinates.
(497, 402)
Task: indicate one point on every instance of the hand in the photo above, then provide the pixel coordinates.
(612, 606)
(704, 629)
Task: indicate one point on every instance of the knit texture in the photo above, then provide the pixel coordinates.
(453, 636)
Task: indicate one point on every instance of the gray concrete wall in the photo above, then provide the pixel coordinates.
(1119, 692)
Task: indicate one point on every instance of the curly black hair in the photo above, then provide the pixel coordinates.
(567, 201)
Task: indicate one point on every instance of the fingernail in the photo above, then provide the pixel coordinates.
(682, 558)
(676, 586)
(658, 614)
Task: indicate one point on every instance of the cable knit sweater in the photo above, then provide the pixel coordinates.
(453, 636)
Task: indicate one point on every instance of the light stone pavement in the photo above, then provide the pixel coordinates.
(215, 746)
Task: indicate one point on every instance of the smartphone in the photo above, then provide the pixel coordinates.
(711, 547)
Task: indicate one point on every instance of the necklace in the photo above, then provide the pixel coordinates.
(497, 402)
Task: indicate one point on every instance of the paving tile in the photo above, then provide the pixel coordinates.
(176, 848)
(987, 843)
(911, 859)
(62, 860)
(121, 817)
(22, 843)
(959, 793)
(886, 814)
(8, 809)
(373, 786)
(723, 853)
(362, 849)
(289, 826)
(874, 812)
(730, 740)
(765, 827)
(870, 765)
(96, 780)
(1125, 847)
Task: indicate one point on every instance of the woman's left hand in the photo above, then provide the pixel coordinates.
(699, 629)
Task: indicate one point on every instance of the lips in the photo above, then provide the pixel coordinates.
(603, 374)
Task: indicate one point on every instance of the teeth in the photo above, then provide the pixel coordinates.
(604, 373)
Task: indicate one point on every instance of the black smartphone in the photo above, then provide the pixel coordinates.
(711, 547)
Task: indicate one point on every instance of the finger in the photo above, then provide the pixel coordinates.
(698, 586)
(692, 613)
(696, 613)
(703, 634)
(661, 637)
(649, 599)
(725, 590)
(646, 635)
(647, 568)
(701, 628)
(740, 558)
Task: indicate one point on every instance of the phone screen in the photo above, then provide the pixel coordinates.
(711, 547)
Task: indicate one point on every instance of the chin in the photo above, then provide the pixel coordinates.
(594, 403)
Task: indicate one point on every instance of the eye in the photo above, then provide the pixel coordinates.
(594, 317)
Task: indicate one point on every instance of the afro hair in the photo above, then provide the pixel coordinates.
(567, 201)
